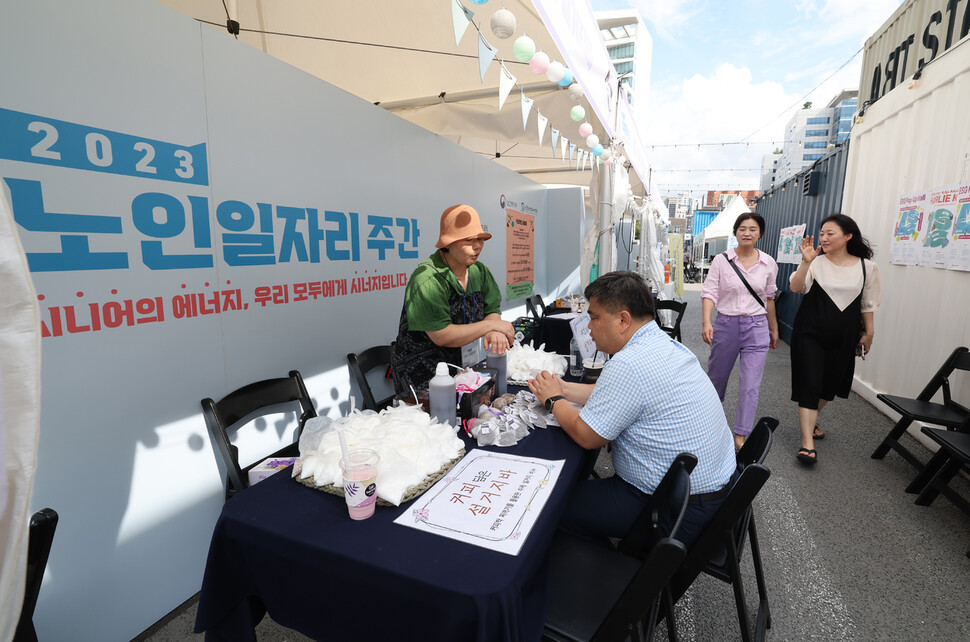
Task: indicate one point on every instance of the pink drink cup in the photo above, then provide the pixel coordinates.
(360, 482)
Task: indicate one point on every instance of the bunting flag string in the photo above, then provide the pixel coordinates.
(503, 26)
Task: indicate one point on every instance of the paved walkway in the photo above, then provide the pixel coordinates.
(847, 554)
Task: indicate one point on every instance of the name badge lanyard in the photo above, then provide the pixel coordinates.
(473, 352)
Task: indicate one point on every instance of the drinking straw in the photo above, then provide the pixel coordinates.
(343, 443)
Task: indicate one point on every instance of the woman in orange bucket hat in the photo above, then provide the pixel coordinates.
(451, 301)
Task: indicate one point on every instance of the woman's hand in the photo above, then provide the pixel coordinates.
(496, 342)
(772, 339)
(707, 333)
(808, 249)
(865, 342)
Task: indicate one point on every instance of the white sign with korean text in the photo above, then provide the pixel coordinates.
(580, 328)
(489, 499)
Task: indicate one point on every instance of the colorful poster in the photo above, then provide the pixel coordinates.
(519, 254)
(938, 224)
(676, 244)
(904, 247)
(958, 251)
(488, 499)
(789, 242)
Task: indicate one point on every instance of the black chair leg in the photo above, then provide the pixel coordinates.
(668, 605)
(764, 613)
(929, 471)
(942, 478)
(738, 586)
(892, 439)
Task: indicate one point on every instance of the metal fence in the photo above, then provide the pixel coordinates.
(806, 197)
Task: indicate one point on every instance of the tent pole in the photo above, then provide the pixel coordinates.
(606, 224)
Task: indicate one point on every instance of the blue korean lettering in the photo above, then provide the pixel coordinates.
(246, 249)
(380, 237)
(292, 239)
(411, 235)
(143, 210)
(347, 231)
(27, 201)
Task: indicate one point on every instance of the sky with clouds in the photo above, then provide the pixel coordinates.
(733, 70)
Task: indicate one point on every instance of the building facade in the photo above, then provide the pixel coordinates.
(631, 49)
(769, 170)
(811, 132)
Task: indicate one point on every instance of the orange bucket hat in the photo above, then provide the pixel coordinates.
(460, 222)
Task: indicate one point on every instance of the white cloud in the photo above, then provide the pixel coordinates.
(723, 107)
(668, 17)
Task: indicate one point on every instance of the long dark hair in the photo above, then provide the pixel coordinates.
(857, 245)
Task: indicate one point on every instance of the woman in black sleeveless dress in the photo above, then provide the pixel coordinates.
(834, 323)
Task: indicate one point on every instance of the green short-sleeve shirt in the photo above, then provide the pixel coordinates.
(428, 294)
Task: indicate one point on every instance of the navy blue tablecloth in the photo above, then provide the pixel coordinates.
(293, 551)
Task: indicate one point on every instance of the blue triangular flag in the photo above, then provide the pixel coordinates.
(486, 54)
(526, 108)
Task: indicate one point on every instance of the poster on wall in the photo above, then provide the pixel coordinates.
(788, 244)
(938, 224)
(676, 244)
(904, 247)
(519, 254)
(958, 250)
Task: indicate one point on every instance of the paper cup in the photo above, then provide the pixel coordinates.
(591, 372)
(360, 481)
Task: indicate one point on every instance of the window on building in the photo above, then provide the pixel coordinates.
(621, 51)
(623, 67)
(818, 120)
(816, 132)
(811, 157)
(815, 144)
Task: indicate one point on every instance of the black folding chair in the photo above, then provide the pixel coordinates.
(677, 308)
(717, 550)
(758, 443)
(596, 593)
(363, 363)
(949, 414)
(256, 399)
(43, 523)
(535, 306)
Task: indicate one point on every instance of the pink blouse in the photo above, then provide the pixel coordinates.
(725, 289)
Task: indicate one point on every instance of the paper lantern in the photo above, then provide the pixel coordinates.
(585, 130)
(555, 72)
(597, 149)
(608, 161)
(524, 48)
(539, 62)
(577, 113)
(567, 77)
(575, 91)
(592, 140)
(479, 1)
(607, 154)
(503, 23)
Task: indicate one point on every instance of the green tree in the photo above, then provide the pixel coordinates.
(807, 105)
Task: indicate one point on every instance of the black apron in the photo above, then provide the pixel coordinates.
(416, 355)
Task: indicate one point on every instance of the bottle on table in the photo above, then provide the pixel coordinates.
(575, 359)
(442, 395)
(499, 362)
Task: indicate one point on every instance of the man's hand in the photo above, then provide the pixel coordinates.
(546, 385)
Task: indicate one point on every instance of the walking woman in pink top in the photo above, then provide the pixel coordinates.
(741, 287)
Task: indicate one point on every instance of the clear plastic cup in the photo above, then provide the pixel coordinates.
(360, 481)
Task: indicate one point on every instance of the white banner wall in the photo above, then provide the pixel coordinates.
(196, 216)
(912, 139)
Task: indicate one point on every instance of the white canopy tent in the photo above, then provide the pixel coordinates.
(723, 224)
(402, 56)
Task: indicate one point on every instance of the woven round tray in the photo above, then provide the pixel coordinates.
(412, 493)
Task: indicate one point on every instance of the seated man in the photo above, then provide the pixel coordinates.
(653, 401)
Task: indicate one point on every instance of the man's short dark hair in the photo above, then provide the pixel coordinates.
(622, 290)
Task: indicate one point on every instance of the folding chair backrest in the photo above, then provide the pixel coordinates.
(261, 397)
(720, 532)
(540, 305)
(43, 523)
(530, 306)
(959, 359)
(362, 363)
(678, 308)
(662, 515)
(645, 587)
(758, 443)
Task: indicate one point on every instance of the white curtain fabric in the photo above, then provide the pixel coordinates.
(19, 415)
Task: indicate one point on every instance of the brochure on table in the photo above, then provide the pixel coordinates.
(489, 499)
(580, 328)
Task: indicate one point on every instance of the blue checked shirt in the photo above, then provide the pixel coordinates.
(653, 401)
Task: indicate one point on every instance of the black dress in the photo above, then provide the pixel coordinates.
(823, 346)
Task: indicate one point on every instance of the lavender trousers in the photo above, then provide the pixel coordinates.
(747, 336)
